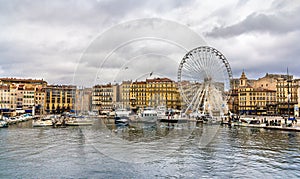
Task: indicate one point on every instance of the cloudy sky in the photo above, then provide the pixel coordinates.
(60, 41)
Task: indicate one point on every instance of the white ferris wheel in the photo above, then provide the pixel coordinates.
(204, 81)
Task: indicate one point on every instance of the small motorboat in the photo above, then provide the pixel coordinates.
(79, 121)
(42, 123)
(3, 124)
(122, 120)
(122, 117)
(148, 115)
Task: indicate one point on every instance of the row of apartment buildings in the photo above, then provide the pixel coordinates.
(136, 94)
(273, 94)
(28, 95)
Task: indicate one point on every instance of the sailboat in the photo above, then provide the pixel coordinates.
(79, 120)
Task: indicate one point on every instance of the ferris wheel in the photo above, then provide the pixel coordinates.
(204, 81)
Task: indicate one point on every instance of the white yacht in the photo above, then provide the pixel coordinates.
(78, 121)
(42, 122)
(148, 115)
(122, 116)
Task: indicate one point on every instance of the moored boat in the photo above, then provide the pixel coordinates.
(122, 117)
(79, 121)
(42, 123)
(148, 115)
(3, 124)
(248, 122)
(45, 121)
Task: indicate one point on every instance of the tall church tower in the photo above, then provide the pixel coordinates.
(243, 80)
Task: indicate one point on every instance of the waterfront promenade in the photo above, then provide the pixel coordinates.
(267, 122)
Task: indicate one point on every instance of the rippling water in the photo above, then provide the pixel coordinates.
(148, 151)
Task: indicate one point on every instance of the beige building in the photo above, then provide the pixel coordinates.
(256, 101)
(39, 97)
(59, 98)
(134, 95)
(102, 99)
(155, 92)
(273, 94)
(21, 98)
(22, 94)
(138, 95)
(4, 97)
(28, 99)
(163, 92)
(269, 81)
(125, 94)
(287, 97)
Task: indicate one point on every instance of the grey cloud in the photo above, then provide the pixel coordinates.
(77, 12)
(272, 58)
(279, 23)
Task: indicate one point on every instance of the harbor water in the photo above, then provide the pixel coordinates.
(187, 150)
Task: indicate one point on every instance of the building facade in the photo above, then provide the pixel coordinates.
(155, 92)
(20, 94)
(273, 94)
(286, 94)
(102, 99)
(138, 95)
(59, 98)
(4, 97)
(255, 101)
(163, 92)
(39, 97)
(125, 94)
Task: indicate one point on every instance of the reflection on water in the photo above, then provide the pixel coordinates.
(146, 151)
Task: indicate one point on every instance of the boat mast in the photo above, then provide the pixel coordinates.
(289, 95)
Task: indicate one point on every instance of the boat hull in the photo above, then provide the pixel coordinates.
(41, 123)
(79, 123)
(121, 120)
